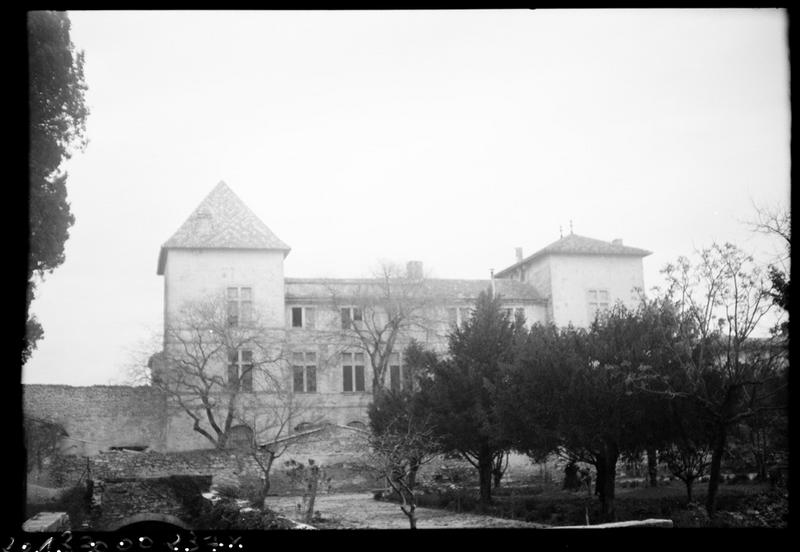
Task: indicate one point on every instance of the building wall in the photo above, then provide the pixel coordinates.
(572, 276)
(196, 274)
(100, 416)
(258, 409)
(537, 274)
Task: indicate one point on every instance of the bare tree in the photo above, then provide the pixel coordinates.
(729, 373)
(228, 373)
(379, 312)
(398, 451)
(774, 222)
(271, 419)
(310, 477)
(777, 222)
(216, 365)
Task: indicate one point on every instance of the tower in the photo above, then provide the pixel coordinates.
(224, 248)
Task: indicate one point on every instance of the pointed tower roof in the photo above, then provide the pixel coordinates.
(573, 244)
(221, 221)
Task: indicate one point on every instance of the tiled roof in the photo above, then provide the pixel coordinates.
(574, 244)
(436, 288)
(222, 221)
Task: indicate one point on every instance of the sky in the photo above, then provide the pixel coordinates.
(449, 137)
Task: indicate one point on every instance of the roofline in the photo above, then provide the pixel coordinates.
(291, 299)
(334, 281)
(544, 252)
(162, 254)
(312, 280)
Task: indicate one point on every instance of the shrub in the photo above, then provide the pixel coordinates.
(225, 515)
(189, 490)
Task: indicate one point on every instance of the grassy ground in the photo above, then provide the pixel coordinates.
(739, 505)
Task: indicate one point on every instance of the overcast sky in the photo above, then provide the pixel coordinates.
(449, 137)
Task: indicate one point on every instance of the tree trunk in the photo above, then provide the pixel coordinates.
(600, 466)
(610, 456)
(312, 492)
(688, 484)
(652, 466)
(485, 475)
(571, 480)
(265, 481)
(412, 516)
(761, 454)
(412, 475)
(497, 476)
(716, 468)
(497, 470)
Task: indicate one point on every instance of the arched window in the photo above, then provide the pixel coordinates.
(240, 437)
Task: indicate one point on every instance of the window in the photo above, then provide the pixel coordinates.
(240, 370)
(452, 316)
(513, 312)
(458, 316)
(304, 371)
(399, 374)
(394, 371)
(598, 300)
(350, 315)
(240, 305)
(352, 372)
(303, 317)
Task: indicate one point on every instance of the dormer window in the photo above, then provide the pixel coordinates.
(240, 306)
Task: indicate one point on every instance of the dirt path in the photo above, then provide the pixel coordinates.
(361, 511)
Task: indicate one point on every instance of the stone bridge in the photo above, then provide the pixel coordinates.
(156, 502)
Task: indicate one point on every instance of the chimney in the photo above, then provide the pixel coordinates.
(414, 270)
(617, 241)
(519, 254)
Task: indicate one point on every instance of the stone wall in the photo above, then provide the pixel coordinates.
(340, 449)
(100, 416)
(116, 501)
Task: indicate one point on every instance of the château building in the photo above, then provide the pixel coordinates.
(325, 328)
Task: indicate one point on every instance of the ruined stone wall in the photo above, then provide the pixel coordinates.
(117, 500)
(342, 450)
(100, 416)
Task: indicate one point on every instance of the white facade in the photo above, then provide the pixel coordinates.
(223, 248)
(574, 279)
(199, 274)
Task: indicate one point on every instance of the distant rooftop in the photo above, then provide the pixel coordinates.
(573, 244)
(467, 290)
(221, 221)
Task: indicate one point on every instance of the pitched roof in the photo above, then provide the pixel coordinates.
(573, 244)
(221, 221)
(436, 288)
